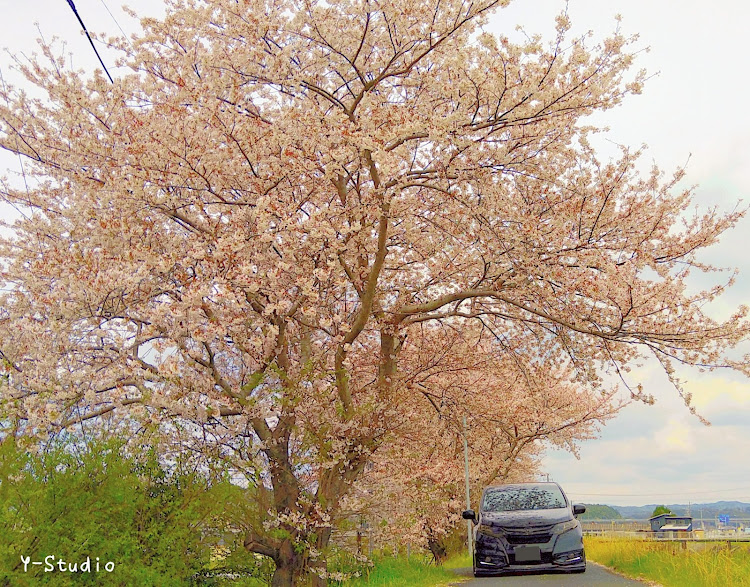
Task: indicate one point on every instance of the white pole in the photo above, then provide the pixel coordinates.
(468, 500)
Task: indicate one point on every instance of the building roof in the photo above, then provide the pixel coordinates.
(670, 517)
(668, 527)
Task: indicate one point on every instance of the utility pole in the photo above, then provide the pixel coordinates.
(468, 500)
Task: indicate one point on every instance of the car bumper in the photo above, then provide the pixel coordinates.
(493, 556)
(482, 571)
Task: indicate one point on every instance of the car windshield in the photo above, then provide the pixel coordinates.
(508, 499)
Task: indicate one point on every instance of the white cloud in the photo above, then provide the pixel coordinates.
(717, 394)
(675, 437)
(662, 453)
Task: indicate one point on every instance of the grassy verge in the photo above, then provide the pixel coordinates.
(412, 572)
(458, 561)
(671, 565)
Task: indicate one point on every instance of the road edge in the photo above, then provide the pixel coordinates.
(648, 582)
(460, 578)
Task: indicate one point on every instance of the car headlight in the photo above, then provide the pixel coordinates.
(565, 526)
(487, 530)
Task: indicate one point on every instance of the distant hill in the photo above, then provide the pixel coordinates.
(737, 509)
(599, 512)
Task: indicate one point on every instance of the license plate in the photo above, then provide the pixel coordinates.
(528, 554)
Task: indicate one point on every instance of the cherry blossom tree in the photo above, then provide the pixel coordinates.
(249, 226)
(509, 410)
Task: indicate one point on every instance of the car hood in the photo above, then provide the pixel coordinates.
(527, 518)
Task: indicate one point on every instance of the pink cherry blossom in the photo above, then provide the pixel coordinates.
(270, 224)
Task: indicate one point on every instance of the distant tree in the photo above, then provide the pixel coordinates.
(661, 509)
(599, 512)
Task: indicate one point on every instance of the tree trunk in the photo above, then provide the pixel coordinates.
(321, 545)
(315, 579)
(438, 550)
(290, 567)
(296, 570)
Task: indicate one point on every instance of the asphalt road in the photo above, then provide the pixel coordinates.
(595, 576)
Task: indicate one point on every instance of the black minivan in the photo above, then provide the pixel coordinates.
(527, 527)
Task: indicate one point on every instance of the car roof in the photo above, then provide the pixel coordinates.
(520, 485)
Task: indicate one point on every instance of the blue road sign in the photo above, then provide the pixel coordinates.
(723, 519)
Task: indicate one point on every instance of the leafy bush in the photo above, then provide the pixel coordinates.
(93, 501)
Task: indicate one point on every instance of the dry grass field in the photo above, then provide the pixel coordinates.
(672, 564)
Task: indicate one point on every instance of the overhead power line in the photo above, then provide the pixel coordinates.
(85, 30)
(124, 36)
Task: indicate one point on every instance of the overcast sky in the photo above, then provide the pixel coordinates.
(694, 108)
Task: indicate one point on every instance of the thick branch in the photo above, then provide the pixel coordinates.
(262, 545)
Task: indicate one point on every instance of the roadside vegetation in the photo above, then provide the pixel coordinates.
(77, 500)
(670, 565)
(414, 571)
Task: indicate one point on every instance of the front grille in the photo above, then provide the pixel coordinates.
(528, 538)
(545, 560)
(541, 529)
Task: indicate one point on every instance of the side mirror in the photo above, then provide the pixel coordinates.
(469, 515)
(578, 509)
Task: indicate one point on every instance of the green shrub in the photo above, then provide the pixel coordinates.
(76, 501)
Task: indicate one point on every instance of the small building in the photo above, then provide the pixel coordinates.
(671, 523)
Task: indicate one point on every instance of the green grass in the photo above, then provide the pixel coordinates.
(458, 561)
(414, 572)
(670, 565)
